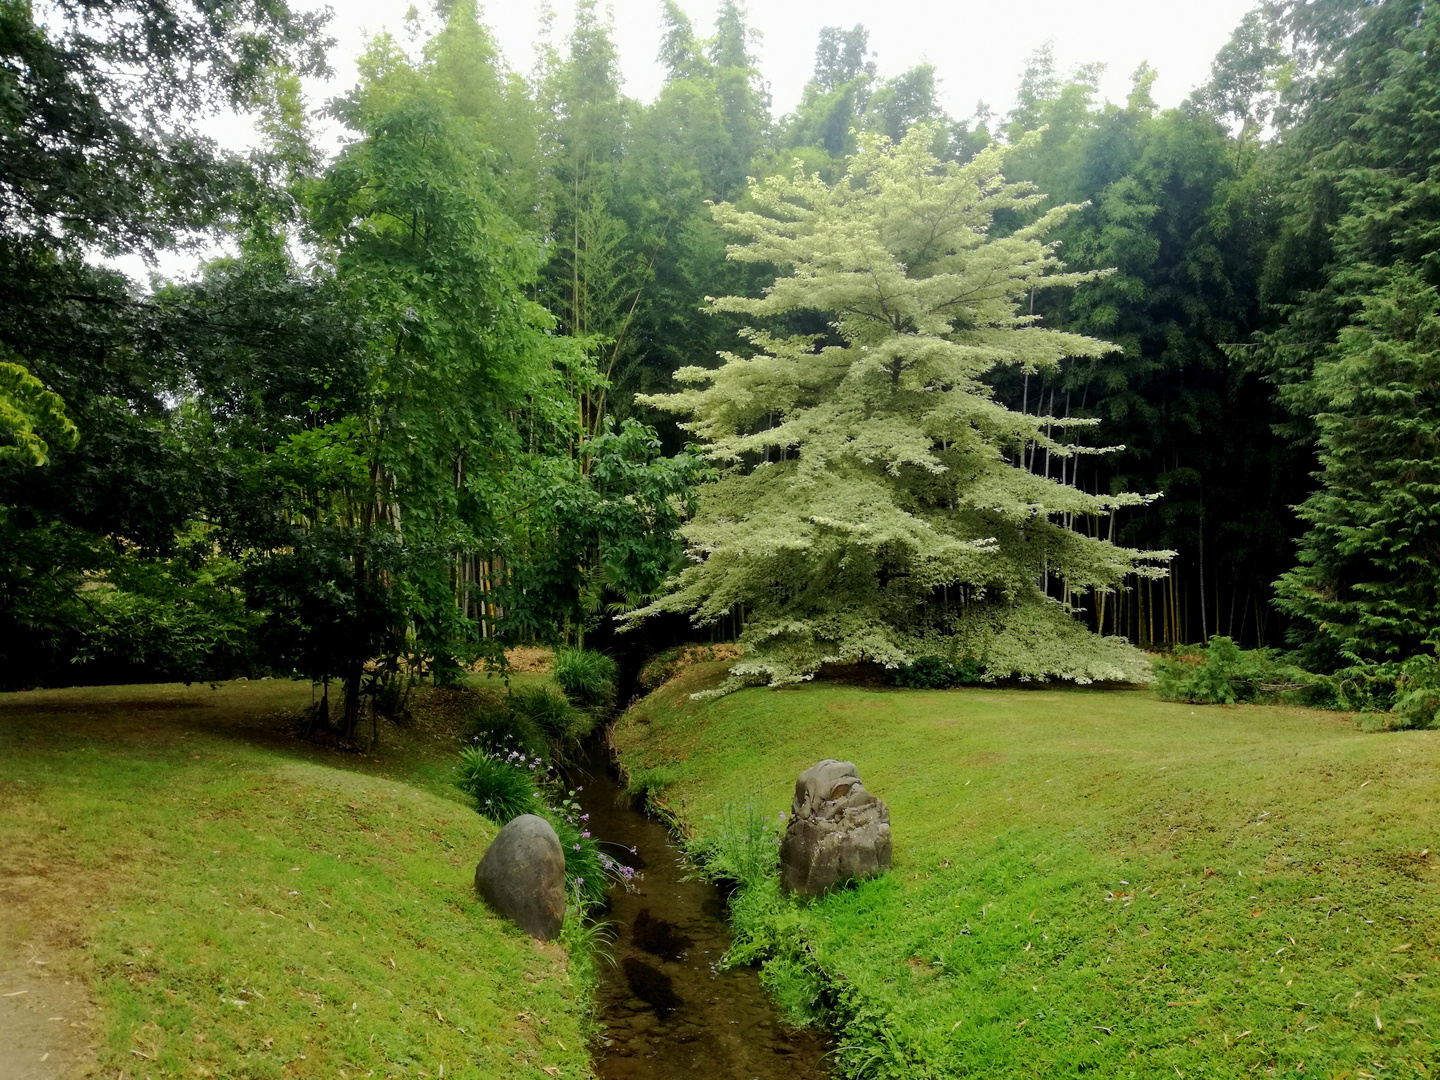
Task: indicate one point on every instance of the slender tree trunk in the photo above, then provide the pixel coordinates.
(1204, 625)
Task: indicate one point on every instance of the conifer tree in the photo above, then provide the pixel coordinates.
(871, 505)
(1368, 584)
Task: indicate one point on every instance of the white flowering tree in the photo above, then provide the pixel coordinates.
(870, 504)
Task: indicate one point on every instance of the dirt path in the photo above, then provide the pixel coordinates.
(46, 1012)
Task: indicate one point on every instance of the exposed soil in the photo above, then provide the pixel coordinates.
(46, 1011)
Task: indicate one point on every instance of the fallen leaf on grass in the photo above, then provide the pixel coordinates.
(1401, 948)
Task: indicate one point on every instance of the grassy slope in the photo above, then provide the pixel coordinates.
(248, 907)
(1099, 882)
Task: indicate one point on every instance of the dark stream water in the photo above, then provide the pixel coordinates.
(667, 1010)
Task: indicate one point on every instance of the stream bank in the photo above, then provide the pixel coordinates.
(666, 1007)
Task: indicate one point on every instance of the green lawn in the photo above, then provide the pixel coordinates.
(1094, 882)
(244, 906)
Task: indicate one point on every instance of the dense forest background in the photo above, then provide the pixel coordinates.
(397, 428)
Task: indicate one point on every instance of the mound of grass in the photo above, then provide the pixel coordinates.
(1088, 882)
(244, 908)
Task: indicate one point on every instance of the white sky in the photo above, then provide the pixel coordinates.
(979, 47)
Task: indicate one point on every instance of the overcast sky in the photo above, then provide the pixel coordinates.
(978, 48)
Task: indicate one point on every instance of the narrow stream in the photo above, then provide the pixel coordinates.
(666, 1008)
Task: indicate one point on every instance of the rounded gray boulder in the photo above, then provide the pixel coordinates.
(522, 876)
(837, 831)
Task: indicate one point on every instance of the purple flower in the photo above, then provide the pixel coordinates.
(576, 847)
(579, 881)
(585, 836)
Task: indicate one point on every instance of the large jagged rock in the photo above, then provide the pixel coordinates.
(522, 876)
(837, 831)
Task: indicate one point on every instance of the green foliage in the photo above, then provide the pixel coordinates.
(26, 405)
(534, 719)
(1396, 696)
(547, 709)
(1368, 585)
(502, 787)
(871, 506)
(936, 673)
(587, 677)
(739, 846)
(1221, 673)
(496, 724)
(134, 636)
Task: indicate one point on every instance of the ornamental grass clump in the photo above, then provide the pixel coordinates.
(540, 720)
(587, 677)
(744, 849)
(502, 785)
(551, 713)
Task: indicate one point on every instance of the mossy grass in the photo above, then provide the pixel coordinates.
(1087, 881)
(254, 907)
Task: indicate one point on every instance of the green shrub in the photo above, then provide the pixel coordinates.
(588, 678)
(494, 724)
(131, 638)
(538, 720)
(1221, 673)
(551, 713)
(502, 786)
(1389, 697)
(937, 673)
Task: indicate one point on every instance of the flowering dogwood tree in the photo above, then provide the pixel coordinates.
(872, 503)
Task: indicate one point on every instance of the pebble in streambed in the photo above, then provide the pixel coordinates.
(666, 1008)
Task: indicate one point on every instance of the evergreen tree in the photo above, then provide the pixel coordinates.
(1359, 198)
(870, 506)
(1368, 585)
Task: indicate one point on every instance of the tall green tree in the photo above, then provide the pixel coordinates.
(1177, 211)
(455, 349)
(1368, 585)
(871, 505)
(101, 153)
(1359, 197)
